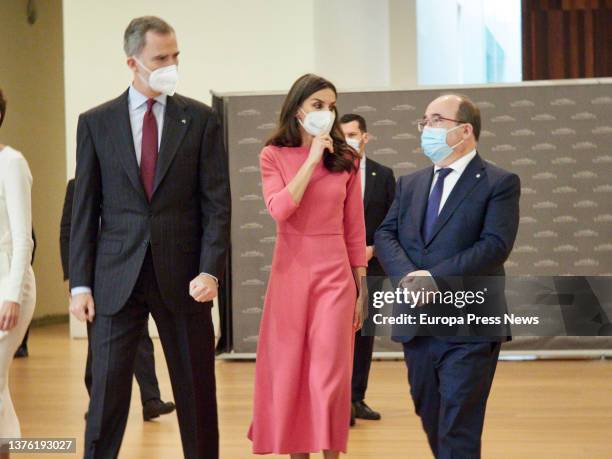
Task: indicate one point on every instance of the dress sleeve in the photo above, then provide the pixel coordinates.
(278, 200)
(18, 185)
(354, 222)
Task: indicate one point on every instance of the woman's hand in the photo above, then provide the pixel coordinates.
(319, 144)
(9, 315)
(358, 314)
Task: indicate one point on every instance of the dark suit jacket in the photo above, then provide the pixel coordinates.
(473, 235)
(186, 224)
(65, 228)
(378, 195)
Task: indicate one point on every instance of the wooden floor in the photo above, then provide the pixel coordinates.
(545, 409)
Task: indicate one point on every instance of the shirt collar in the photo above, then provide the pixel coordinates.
(136, 99)
(363, 161)
(460, 164)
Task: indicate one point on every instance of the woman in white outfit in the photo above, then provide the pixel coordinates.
(17, 285)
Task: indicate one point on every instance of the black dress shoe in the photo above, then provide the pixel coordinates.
(155, 408)
(352, 423)
(22, 351)
(363, 411)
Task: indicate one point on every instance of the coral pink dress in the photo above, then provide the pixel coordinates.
(305, 349)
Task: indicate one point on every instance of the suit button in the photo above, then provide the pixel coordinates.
(426, 251)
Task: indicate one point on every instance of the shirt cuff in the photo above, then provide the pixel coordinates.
(78, 290)
(210, 275)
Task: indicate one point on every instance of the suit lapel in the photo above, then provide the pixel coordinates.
(420, 197)
(119, 122)
(472, 174)
(176, 123)
(370, 181)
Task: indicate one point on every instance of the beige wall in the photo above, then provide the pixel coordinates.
(31, 75)
(241, 45)
(403, 44)
(226, 45)
(352, 42)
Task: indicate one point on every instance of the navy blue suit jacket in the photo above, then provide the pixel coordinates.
(473, 235)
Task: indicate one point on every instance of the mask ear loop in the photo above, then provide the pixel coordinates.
(461, 141)
(141, 64)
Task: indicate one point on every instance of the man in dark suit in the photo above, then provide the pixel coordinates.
(152, 405)
(457, 218)
(150, 233)
(378, 189)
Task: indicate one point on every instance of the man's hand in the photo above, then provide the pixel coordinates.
(419, 280)
(369, 252)
(82, 307)
(9, 315)
(203, 288)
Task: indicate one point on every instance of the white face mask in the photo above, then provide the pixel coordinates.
(318, 122)
(162, 80)
(355, 143)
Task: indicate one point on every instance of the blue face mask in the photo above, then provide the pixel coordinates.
(433, 143)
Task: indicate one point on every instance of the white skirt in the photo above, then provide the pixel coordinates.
(9, 342)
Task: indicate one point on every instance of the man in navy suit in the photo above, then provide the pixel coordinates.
(457, 218)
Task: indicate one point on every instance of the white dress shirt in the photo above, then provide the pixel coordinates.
(137, 103)
(452, 178)
(362, 170)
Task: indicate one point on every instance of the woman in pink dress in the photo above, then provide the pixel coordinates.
(313, 305)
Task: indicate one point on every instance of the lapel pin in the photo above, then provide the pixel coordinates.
(477, 175)
(184, 121)
(373, 173)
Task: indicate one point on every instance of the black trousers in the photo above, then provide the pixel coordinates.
(188, 343)
(364, 345)
(144, 368)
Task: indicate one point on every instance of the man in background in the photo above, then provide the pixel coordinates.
(378, 191)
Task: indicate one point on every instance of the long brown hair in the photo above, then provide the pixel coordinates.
(288, 132)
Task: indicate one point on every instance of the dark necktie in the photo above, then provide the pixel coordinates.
(148, 157)
(433, 203)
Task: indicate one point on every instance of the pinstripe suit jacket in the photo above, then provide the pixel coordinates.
(186, 223)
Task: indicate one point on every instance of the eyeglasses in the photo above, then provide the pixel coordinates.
(435, 122)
